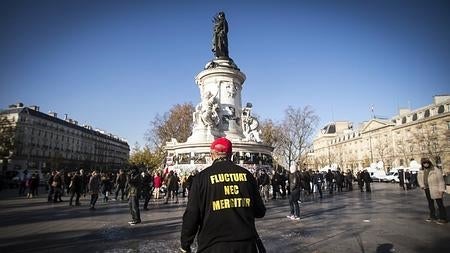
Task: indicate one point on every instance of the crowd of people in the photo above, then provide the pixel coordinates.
(115, 186)
(305, 184)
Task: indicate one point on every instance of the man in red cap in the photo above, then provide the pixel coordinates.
(223, 203)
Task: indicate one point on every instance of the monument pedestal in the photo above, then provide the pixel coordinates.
(220, 114)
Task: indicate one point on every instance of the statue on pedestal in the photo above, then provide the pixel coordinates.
(207, 112)
(220, 37)
(250, 125)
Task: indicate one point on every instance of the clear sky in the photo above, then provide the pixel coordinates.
(115, 65)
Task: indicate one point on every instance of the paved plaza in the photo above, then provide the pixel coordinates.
(386, 220)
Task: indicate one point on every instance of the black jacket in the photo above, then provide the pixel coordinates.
(223, 204)
(134, 182)
(294, 181)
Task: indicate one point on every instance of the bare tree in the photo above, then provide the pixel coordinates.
(177, 123)
(270, 133)
(297, 130)
(339, 158)
(432, 141)
(384, 151)
(404, 150)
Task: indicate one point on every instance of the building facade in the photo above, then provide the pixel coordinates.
(410, 135)
(44, 141)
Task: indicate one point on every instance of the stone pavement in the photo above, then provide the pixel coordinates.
(386, 220)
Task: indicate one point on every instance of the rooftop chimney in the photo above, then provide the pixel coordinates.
(34, 107)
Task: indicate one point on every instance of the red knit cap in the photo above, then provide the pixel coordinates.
(222, 145)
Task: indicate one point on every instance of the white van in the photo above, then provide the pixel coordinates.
(391, 177)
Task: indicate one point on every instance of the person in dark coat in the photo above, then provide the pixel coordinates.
(264, 183)
(134, 183)
(330, 178)
(295, 187)
(275, 184)
(33, 185)
(94, 188)
(190, 179)
(339, 180)
(367, 180)
(359, 177)
(349, 180)
(121, 181)
(222, 206)
(401, 178)
(57, 184)
(147, 184)
(75, 188)
(172, 187)
(317, 181)
(106, 186)
(51, 190)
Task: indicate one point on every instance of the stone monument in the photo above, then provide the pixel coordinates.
(220, 114)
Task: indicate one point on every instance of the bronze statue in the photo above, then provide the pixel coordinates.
(220, 37)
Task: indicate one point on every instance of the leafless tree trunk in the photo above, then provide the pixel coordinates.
(297, 130)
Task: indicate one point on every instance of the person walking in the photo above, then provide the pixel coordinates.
(360, 179)
(190, 179)
(275, 184)
(330, 181)
(75, 188)
(121, 180)
(134, 183)
(147, 184)
(172, 187)
(367, 180)
(33, 185)
(264, 182)
(57, 186)
(349, 180)
(84, 182)
(222, 206)
(94, 188)
(295, 187)
(157, 183)
(106, 186)
(51, 189)
(339, 180)
(317, 182)
(431, 180)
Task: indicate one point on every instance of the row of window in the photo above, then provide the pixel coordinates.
(60, 130)
(422, 114)
(68, 155)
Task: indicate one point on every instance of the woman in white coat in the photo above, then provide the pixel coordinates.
(431, 180)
